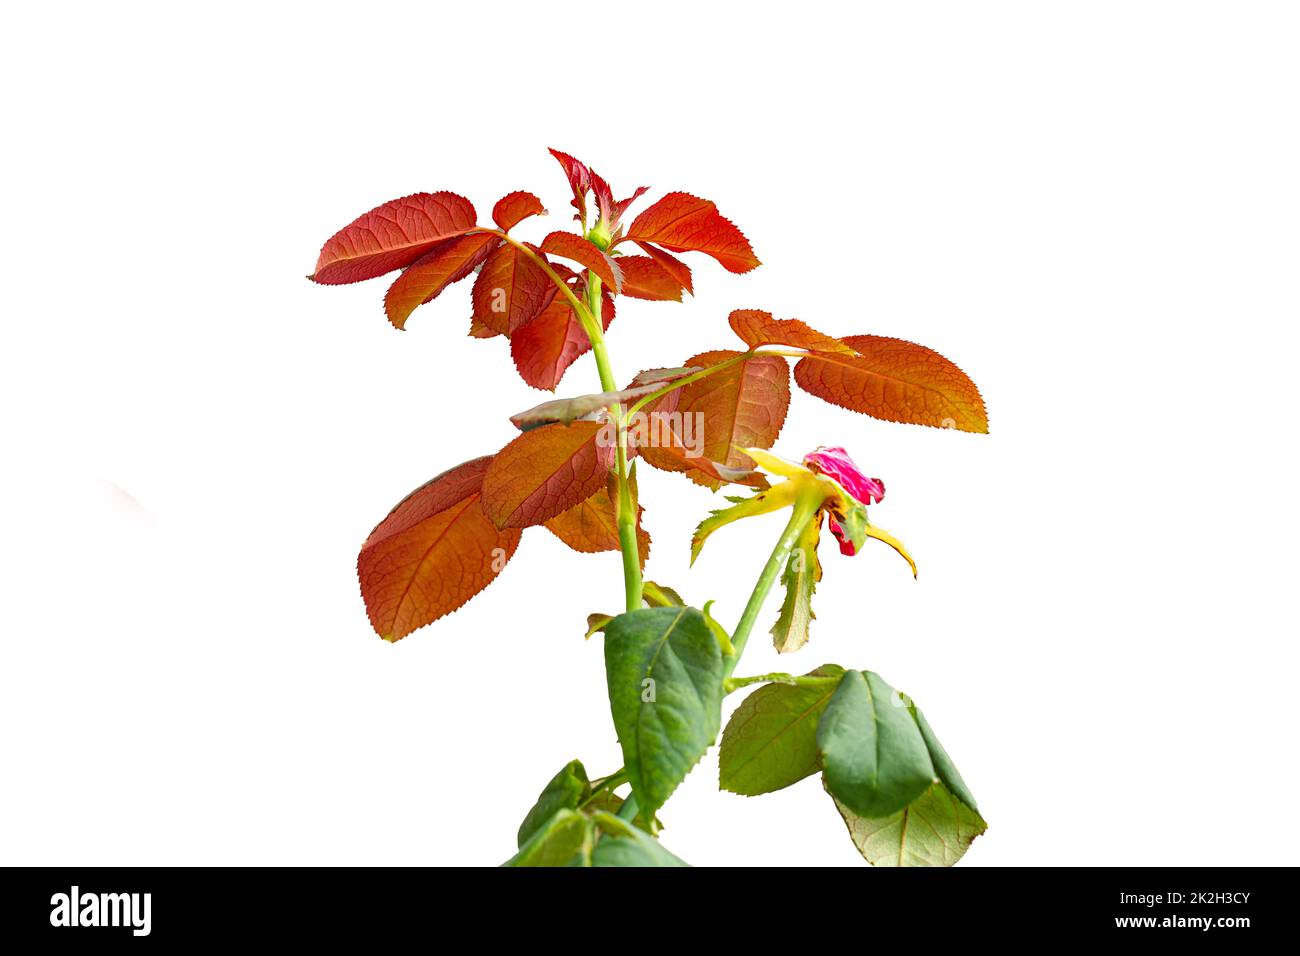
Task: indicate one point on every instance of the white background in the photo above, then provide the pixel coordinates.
(1092, 207)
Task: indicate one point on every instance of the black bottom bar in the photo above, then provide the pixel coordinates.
(1216, 906)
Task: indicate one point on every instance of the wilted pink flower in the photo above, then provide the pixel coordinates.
(836, 463)
(829, 474)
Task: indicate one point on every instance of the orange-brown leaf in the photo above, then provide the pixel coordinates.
(643, 278)
(696, 428)
(514, 208)
(511, 289)
(433, 272)
(669, 453)
(896, 381)
(546, 471)
(592, 525)
(433, 552)
(478, 330)
(671, 264)
(578, 249)
(685, 223)
(742, 405)
(544, 348)
(756, 328)
(392, 236)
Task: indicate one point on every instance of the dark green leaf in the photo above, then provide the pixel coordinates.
(771, 739)
(943, 765)
(567, 790)
(873, 756)
(664, 671)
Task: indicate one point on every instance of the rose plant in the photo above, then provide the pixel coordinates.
(572, 470)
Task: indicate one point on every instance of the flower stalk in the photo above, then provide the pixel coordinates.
(805, 508)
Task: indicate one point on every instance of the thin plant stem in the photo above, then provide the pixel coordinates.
(805, 507)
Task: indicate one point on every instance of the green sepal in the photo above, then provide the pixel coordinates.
(802, 572)
(773, 499)
(854, 524)
(719, 632)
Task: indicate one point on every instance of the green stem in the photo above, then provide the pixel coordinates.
(590, 316)
(732, 684)
(805, 507)
(579, 307)
(625, 506)
(627, 530)
(629, 808)
(612, 782)
(592, 325)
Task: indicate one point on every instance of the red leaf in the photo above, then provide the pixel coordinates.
(392, 236)
(579, 177)
(514, 208)
(433, 272)
(685, 223)
(671, 264)
(478, 330)
(510, 290)
(644, 278)
(544, 348)
(620, 207)
(604, 195)
(610, 211)
(433, 552)
(547, 471)
(592, 525)
(578, 249)
(757, 328)
(897, 381)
